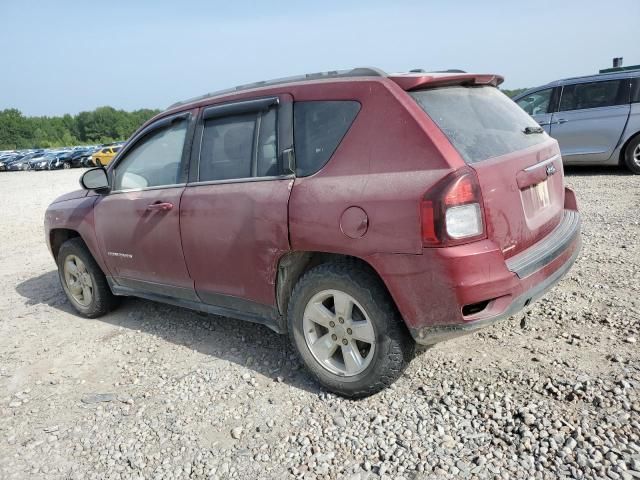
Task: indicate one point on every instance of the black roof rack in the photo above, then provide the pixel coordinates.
(354, 72)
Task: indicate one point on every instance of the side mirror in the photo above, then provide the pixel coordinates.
(95, 179)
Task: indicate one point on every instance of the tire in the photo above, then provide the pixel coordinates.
(632, 155)
(66, 165)
(383, 360)
(100, 300)
(98, 163)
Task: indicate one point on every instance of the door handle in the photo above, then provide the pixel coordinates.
(164, 206)
(561, 120)
(544, 124)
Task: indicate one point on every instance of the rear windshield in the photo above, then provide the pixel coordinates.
(480, 122)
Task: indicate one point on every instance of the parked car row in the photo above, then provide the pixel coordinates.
(54, 159)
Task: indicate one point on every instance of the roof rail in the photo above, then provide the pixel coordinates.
(354, 72)
(450, 70)
(601, 74)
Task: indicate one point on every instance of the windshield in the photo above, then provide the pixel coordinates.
(480, 122)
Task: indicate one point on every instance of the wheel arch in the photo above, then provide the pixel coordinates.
(57, 236)
(623, 149)
(293, 265)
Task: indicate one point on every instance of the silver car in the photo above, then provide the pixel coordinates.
(596, 119)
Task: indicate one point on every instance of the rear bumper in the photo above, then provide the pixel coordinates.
(431, 289)
(430, 335)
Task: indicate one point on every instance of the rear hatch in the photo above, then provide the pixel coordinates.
(518, 165)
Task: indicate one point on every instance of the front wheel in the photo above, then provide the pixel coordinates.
(82, 280)
(347, 331)
(66, 165)
(632, 155)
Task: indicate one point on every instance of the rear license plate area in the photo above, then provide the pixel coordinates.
(536, 197)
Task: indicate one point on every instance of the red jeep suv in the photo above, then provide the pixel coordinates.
(359, 212)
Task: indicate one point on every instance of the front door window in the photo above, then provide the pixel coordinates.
(536, 103)
(155, 160)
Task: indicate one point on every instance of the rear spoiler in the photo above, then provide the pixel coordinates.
(414, 82)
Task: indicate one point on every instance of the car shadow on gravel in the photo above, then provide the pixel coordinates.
(596, 170)
(46, 290)
(247, 344)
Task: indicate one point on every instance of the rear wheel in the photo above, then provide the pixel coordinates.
(632, 155)
(347, 330)
(82, 280)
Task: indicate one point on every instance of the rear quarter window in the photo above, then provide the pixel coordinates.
(480, 122)
(319, 127)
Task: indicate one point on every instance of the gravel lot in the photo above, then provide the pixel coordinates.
(153, 391)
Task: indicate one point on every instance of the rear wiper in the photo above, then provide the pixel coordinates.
(530, 130)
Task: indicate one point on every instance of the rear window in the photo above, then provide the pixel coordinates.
(480, 122)
(318, 128)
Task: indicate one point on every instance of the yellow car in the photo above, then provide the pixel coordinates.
(103, 156)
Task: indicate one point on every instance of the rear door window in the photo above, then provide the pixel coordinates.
(319, 127)
(480, 122)
(239, 146)
(581, 96)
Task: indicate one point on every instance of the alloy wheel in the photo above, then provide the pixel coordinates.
(339, 333)
(636, 155)
(78, 280)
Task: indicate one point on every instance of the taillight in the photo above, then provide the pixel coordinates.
(452, 211)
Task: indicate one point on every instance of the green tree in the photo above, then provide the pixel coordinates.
(13, 129)
(104, 124)
(514, 92)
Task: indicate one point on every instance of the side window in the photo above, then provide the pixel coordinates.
(635, 90)
(154, 160)
(318, 128)
(593, 95)
(268, 146)
(536, 102)
(239, 146)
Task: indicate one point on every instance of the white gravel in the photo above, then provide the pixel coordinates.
(156, 392)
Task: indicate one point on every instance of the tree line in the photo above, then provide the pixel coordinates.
(102, 125)
(514, 92)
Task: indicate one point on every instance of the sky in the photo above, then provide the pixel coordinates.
(63, 56)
